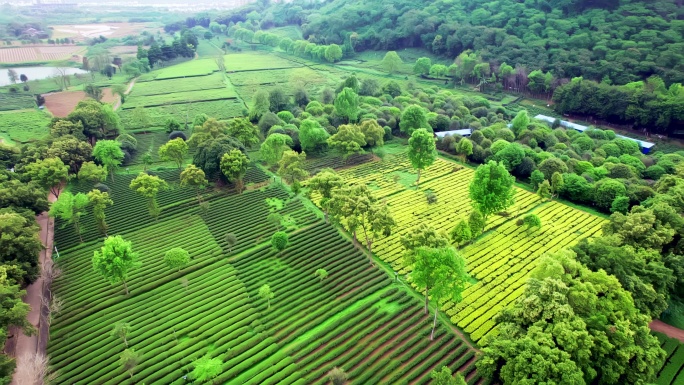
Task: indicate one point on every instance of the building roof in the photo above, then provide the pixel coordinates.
(582, 128)
(463, 132)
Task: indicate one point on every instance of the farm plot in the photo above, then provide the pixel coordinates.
(190, 68)
(356, 319)
(502, 260)
(24, 125)
(292, 75)
(254, 61)
(220, 109)
(179, 98)
(672, 371)
(61, 104)
(9, 102)
(163, 87)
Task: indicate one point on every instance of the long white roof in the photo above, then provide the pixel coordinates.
(582, 128)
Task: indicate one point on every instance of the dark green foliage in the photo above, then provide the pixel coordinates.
(209, 154)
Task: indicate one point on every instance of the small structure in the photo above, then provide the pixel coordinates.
(645, 146)
(463, 132)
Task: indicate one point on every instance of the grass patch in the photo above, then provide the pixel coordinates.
(219, 109)
(186, 69)
(24, 125)
(291, 31)
(163, 87)
(253, 61)
(9, 102)
(179, 98)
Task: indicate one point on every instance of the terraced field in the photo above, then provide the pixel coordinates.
(255, 61)
(672, 372)
(24, 126)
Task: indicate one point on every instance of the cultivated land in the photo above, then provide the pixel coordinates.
(60, 104)
(39, 53)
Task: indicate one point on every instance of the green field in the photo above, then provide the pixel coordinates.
(190, 68)
(162, 87)
(12, 101)
(180, 98)
(221, 109)
(24, 126)
(672, 372)
(254, 61)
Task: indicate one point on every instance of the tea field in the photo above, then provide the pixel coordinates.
(672, 372)
(23, 126)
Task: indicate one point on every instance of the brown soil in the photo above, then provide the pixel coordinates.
(668, 330)
(60, 104)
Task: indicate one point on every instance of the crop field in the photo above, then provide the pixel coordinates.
(179, 98)
(209, 49)
(38, 53)
(61, 104)
(356, 318)
(219, 109)
(672, 371)
(9, 102)
(24, 126)
(254, 61)
(163, 87)
(190, 68)
(499, 260)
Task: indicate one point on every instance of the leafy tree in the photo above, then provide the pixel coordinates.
(92, 172)
(312, 136)
(511, 155)
(321, 274)
(49, 173)
(347, 104)
(291, 166)
(99, 120)
(69, 208)
(444, 377)
(194, 177)
(441, 271)
(556, 182)
(176, 258)
(121, 330)
(274, 146)
(234, 166)
(17, 194)
(275, 219)
(338, 376)
(333, 53)
(20, 244)
(372, 132)
(149, 186)
(461, 232)
(476, 222)
(464, 147)
(231, 240)
(266, 293)
(544, 190)
(279, 241)
(172, 125)
(174, 150)
(531, 220)
(491, 190)
(244, 131)
(605, 192)
(620, 205)
(422, 66)
(260, 105)
(129, 360)
(206, 368)
(391, 62)
(277, 100)
(413, 118)
(549, 334)
(552, 165)
(71, 151)
(115, 259)
(209, 129)
(100, 200)
(422, 150)
(324, 183)
(209, 154)
(349, 139)
(65, 127)
(369, 87)
(109, 154)
(520, 122)
(536, 178)
(392, 88)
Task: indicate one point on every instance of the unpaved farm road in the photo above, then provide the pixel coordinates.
(128, 91)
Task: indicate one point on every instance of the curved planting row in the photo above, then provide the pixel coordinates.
(503, 259)
(672, 371)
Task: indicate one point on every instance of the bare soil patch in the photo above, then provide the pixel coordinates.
(60, 104)
(668, 330)
(81, 32)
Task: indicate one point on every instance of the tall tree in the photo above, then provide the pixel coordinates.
(129, 360)
(244, 131)
(176, 258)
(347, 104)
(194, 177)
(149, 186)
(266, 293)
(422, 66)
(69, 208)
(100, 200)
(50, 173)
(273, 147)
(491, 190)
(20, 244)
(444, 377)
(324, 183)
(121, 330)
(174, 150)
(372, 133)
(391, 62)
(333, 53)
(422, 150)
(115, 260)
(349, 140)
(312, 135)
(234, 166)
(109, 154)
(279, 241)
(413, 118)
(92, 172)
(291, 166)
(260, 105)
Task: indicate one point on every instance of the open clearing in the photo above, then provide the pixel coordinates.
(39, 53)
(60, 104)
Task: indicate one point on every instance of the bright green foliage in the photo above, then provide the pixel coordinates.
(99, 201)
(209, 153)
(193, 176)
(48, 173)
(557, 182)
(423, 235)
(244, 131)
(391, 62)
(413, 118)
(174, 150)
(234, 166)
(260, 105)
(620, 204)
(324, 183)
(121, 330)
(372, 133)
(552, 165)
(172, 125)
(572, 326)
(129, 360)
(422, 66)
(99, 120)
(532, 220)
(109, 153)
(476, 222)
(149, 186)
(347, 104)
(279, 241)
(333, 53)
(444, 377)
(422, 150)
(176, 258)
(209, 129)
(605, 192)
(266, 293)
(520, 122)
(312, 135)
(115, 259)
(274, 146)
(464, 147)
(206, 368)
(73, 152)
(19, 244)
(291, 166)
(92, 172)
(349, 139)
(69, 208)
(536, 178)
(321, 274)
(461, 232)
(491, 190)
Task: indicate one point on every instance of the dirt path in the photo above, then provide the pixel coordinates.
(128, 91)
(29, 344)
(668, 330)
